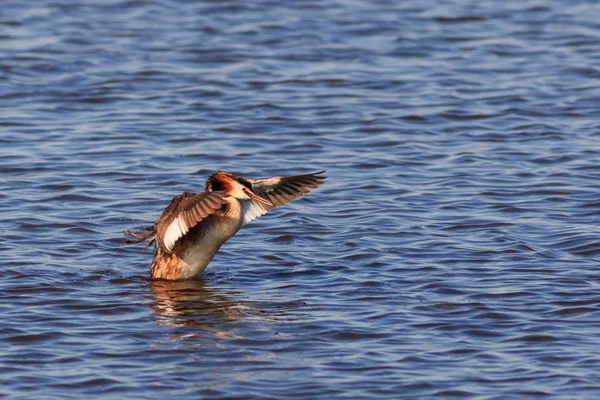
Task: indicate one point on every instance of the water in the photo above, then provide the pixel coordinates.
(452, 252)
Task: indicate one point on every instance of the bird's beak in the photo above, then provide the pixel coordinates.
(258, 199)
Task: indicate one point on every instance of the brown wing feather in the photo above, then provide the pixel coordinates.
(279, 190)
(183, 213)
(282, 190)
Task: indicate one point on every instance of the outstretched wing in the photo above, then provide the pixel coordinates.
(279, 190)
(185, 211)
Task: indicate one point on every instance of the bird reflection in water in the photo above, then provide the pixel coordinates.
(190, 303)
(214, 314)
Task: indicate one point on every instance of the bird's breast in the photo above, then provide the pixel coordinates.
(202, 242)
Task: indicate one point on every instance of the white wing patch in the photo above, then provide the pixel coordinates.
(261, 185)
(252, 210)
(177, 229)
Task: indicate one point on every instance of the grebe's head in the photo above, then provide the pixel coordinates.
(234, 186)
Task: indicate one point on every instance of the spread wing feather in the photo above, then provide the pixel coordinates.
(279, 190)
(185, 211)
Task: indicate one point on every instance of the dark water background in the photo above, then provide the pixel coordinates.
(453, 252)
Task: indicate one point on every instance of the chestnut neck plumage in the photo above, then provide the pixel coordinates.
(226, 181)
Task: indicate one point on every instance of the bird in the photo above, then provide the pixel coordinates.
(193, 226)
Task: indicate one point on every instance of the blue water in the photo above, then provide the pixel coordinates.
(452, 252)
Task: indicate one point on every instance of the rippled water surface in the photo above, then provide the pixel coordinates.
(452, 252)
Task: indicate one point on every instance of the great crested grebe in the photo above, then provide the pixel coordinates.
(195, 225)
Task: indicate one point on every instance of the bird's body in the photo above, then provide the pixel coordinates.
(192, 253)
(193, 227)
